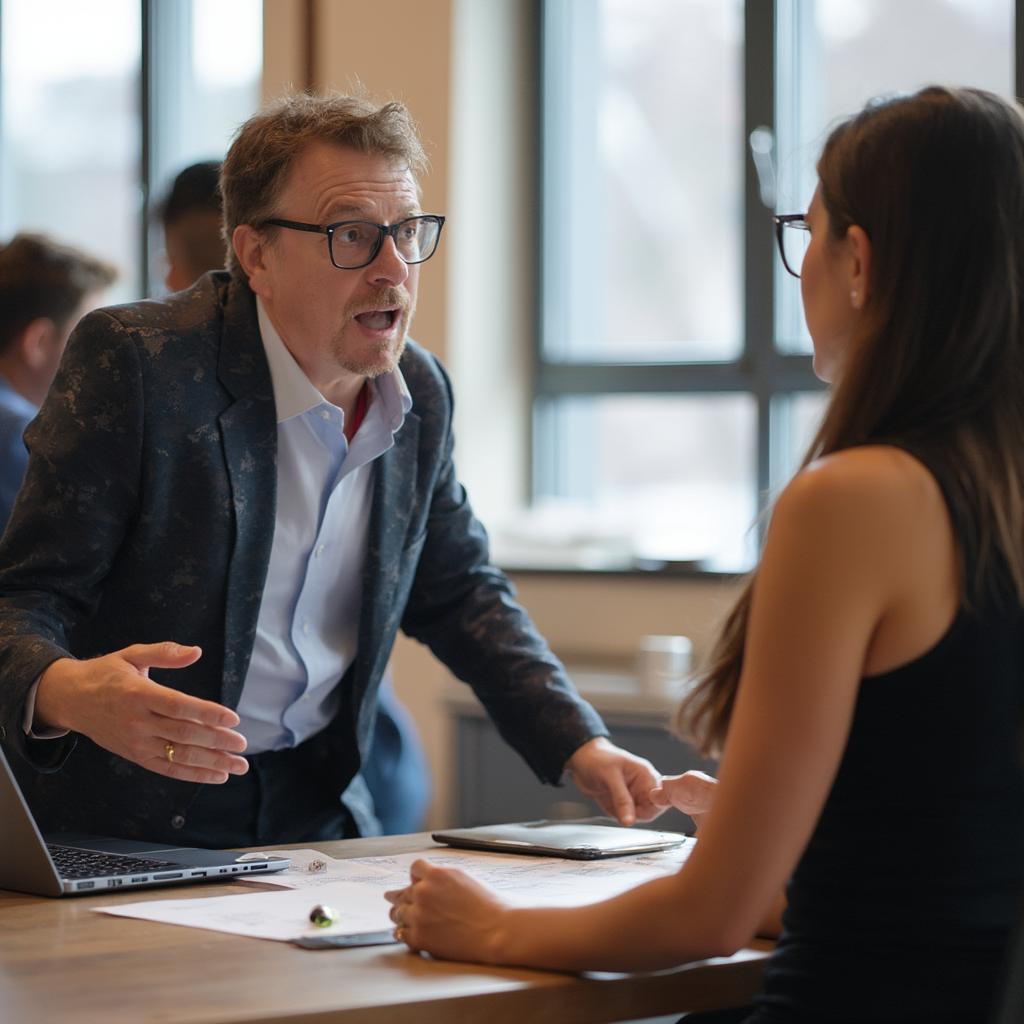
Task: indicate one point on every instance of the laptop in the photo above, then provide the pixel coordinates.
(69, 865)
(576, 840)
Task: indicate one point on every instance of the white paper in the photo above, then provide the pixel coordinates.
(310, 869)
(355, 888)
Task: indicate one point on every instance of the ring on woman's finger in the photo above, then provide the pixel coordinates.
(169, 751)
(400, 934)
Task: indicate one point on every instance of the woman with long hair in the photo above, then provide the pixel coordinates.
(867, 692)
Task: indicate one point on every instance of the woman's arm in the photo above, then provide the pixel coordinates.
(693, 793)
(834, 558)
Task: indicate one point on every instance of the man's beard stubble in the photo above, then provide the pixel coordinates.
(389, 353)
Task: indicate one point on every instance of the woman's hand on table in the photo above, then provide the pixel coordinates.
(446, 913)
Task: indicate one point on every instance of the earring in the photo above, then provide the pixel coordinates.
(855, 298)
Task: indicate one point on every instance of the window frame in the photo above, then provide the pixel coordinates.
(164, 42)
(760, 369)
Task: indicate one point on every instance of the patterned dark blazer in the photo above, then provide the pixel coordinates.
(147, 514)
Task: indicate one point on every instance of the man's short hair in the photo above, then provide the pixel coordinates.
(192, 209)
(266, 146)
(197, 187)
(42, 278)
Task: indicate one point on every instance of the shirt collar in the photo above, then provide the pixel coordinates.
(294, 393)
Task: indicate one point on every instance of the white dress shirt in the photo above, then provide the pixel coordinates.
(309, 617)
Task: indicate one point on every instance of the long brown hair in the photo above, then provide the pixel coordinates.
(936, 180)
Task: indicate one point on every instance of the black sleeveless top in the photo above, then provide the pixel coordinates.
(902, 903)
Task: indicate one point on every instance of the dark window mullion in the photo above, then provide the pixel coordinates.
(648, 378)
(146, 128)
(759, 296)
(1018, 50)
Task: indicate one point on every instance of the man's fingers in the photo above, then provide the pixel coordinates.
(646, 808)
(162, 655)
(182, 761)
(187, 732)
(182, 707)
(185, 772)
(203, 757)
(621, 799)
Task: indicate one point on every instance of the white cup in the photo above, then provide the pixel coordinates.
(663, 663)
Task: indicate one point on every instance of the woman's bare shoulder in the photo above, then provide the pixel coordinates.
(872, 497)
(869, 477)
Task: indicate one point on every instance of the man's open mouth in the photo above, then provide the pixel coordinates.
(378, 319)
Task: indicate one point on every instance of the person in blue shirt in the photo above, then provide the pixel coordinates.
(45, 289)
(396, 769)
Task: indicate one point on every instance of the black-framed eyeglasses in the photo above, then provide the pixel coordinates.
(793, 234)
(352, 244)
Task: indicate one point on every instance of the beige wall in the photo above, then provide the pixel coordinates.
(466, 85)
(354, 51)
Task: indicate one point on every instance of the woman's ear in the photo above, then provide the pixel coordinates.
(859, 263)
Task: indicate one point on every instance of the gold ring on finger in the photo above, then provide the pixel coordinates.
(169, 751)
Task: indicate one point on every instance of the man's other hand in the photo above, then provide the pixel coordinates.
(113, 701)
(620, 782)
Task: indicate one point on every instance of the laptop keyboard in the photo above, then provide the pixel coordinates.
(74, 863)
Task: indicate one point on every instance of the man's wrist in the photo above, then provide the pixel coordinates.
(51, 698)
(600, 742)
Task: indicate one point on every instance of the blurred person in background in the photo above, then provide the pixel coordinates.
(191, 218)
(396, 769)
(45, 289)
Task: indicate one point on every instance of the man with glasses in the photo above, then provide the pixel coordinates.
(260, 468)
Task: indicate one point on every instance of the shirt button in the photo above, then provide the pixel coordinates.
(319, 551)
(178, 821)
(324, 414)
(305, 628)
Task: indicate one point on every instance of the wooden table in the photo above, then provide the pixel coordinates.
(60, 961)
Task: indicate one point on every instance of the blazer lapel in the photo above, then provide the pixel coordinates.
(248, 429)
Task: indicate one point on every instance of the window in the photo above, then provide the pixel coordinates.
(69, 149)
(82, 143)
(674, 391)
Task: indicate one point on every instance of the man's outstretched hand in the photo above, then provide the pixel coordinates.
(113, 701)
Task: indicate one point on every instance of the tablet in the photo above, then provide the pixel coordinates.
(575, 840)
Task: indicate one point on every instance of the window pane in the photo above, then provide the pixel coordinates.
(204, 90)
(834, 55)
(643, 179)
(795, 420)
(673, 473)
(69, 150)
